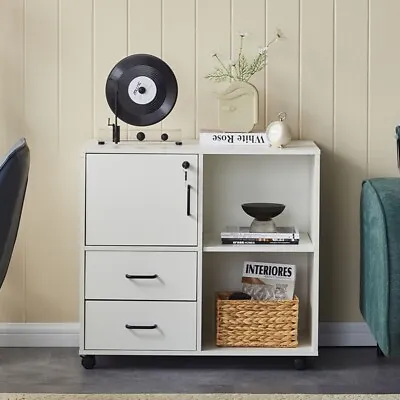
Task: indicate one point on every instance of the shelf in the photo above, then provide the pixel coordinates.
(213, 243)
(303, 349)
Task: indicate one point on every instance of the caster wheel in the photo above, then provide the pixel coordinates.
(300, 364)
(88, 362)
(379, 352)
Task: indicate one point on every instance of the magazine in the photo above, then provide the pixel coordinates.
(268, 281)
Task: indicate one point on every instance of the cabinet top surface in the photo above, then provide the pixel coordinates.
(295, 147)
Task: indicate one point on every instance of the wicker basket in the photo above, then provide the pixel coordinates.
(256, 323)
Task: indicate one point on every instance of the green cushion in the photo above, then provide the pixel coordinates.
(380, 261)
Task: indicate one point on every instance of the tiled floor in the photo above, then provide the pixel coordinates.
(59, 370)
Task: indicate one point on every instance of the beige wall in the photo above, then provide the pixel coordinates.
(336, 74)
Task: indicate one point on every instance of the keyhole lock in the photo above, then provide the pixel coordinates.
(185, 166)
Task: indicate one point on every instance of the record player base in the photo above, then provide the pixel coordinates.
(149, 274)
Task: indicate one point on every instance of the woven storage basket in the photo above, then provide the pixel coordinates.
(256, 323)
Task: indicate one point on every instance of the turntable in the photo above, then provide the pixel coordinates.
(141, 90)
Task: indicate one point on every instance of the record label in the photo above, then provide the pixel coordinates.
(142, 90)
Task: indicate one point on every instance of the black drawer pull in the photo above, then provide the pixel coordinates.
(141, 276)
(141, 326)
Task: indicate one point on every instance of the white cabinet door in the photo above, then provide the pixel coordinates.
(141, 199)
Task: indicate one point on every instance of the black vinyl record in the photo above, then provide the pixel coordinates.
(141, 89)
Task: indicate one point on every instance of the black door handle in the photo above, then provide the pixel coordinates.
(188, 200)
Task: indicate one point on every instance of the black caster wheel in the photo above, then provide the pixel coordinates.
(88, 361)
(300, 363)
(379, 352)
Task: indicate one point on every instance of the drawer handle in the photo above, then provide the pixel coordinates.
(141, 276)
(141, 326)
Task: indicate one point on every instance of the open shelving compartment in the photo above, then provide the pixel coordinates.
(281, 177)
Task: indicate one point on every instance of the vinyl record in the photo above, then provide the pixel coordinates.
(141, 89)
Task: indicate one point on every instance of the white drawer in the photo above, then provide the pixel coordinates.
(119, 325)
(141, 275)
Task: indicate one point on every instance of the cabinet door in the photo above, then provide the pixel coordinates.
(141, 199)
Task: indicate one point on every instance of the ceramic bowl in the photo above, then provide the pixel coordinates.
(263, 211)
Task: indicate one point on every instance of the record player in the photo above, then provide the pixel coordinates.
(141, 90)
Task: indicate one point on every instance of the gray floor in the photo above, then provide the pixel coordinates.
(59, 370)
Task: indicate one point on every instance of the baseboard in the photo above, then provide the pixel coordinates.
(340, 334)
(345, 334)
(39, 335)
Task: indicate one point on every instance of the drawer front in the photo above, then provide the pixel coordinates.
(119, 325)
(141, 275)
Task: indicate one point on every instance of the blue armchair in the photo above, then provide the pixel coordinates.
(14, 170)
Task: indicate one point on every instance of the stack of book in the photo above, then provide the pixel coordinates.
(242, 235)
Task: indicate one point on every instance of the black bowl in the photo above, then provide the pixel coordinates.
(263, 211)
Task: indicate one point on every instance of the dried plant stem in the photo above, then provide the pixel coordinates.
(242, 69)
(229, 73)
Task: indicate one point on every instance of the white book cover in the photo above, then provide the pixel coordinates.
(233, 138)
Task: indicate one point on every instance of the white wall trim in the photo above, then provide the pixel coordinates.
(342, 334)
(39, 335)
(66, 334)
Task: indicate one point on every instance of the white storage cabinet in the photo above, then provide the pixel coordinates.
(151, 256)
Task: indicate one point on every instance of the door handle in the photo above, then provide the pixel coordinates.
(188, 200)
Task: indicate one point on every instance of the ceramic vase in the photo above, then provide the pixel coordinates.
(238, 108)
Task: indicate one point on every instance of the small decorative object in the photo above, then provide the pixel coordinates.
(263, 214)
(278, 132)
(238, 104)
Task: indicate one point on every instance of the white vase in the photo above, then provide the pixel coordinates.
(238, 108)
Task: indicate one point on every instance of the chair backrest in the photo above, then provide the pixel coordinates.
(14, 170)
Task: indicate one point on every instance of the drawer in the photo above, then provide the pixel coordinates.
(140, 275)
(121, 325)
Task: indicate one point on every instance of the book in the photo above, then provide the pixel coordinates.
(268, 281)
(258, 241)
(243, 232)
(233, 138)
